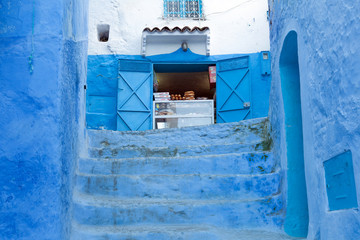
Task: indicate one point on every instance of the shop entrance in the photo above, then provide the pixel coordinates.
(183, 95)
(226, 100)
(120, 93)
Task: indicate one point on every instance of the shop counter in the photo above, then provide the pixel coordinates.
(185, 113)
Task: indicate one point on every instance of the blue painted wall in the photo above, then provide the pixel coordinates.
(42, 69)
(103, 77)
(328, 52)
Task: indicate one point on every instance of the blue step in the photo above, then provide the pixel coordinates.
(231, 163)
(168, 232)
(253, 130)
(175, 151)
(187, 186)
(194, 183)
(173, 232)
(106, 211)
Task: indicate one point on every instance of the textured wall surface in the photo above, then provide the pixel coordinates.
(328, 49)
(235, 26)
(42, 69)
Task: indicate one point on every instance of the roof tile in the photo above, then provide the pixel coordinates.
(174, 29)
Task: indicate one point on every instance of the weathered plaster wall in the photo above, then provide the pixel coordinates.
(235, 26)
(42, 69)
(328, 49)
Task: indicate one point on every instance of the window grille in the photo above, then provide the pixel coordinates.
(183, 9)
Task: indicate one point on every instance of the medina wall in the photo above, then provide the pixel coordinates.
(42, 70)
(235, 26)
(327, 41)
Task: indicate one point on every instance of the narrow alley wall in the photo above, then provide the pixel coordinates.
(42, 72)
(328, 49)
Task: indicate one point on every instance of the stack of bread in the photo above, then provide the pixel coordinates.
(176, 97)
(189, 95)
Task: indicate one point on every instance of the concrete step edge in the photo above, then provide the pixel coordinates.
(158, 227)
(277, 171)
(176, 157)
(254, 143)
(248, 122)
(141, 228)
(263, 233)
(113, 202)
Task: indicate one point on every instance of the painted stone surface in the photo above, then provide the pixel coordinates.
(221, 177)
(42, 69)
(329, 81)
(41, 94)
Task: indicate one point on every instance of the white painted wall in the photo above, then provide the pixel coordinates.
(236, 26)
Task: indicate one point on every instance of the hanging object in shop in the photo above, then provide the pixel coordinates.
(184, 46)
(212, 76)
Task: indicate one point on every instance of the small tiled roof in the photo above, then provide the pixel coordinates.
(184, 29)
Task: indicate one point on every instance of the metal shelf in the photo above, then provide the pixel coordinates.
(183, 116)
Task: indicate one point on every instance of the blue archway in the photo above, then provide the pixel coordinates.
(297, 217)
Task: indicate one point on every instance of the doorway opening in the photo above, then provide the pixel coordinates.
(297, 216)
(192, 95)
(179, 78)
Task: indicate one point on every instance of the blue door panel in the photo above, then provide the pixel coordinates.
(134, 101)
(133, 121)
(233, 86)
(340, 182)
(134, 92)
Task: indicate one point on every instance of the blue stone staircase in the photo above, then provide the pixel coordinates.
(210, 182)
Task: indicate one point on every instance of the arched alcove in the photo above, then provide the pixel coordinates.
(297, 217)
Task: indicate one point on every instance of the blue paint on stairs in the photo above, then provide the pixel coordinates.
(189, 183)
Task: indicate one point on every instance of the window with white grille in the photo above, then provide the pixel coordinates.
(183, 9)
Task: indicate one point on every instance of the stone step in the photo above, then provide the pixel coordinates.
(173, 232)
(186, 186)
(231, 163)
(177, 151)
(106, 211)
(146, 232)
(239, 132)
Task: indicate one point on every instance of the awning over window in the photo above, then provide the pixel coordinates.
(166, 40)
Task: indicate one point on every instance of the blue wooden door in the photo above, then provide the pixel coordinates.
(134, 99)
(233, 90)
